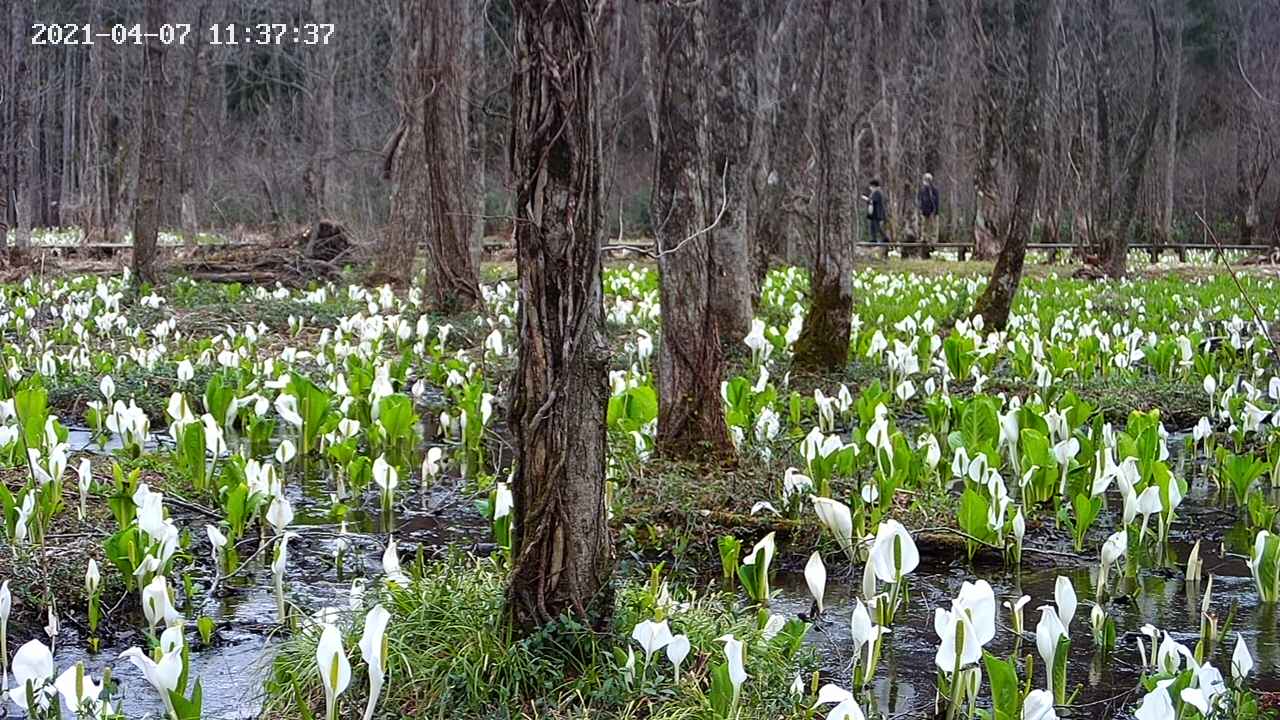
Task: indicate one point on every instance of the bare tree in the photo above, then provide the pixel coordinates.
(563, 553)
(428, 157)
(989, 22)
(189, 160)
(1117, 254)
(150, 194)
(732, 45)
(1028, 148)
(22, 140)
(1176, 61)
(690, 360)
(824, 341)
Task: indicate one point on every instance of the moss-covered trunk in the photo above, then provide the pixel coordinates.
(824, 341)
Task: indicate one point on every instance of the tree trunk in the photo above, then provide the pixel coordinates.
(563, 553)
(986, 222)
(1171, 142)
(824, 341)
(188, 158)
(7, 19)
(732, 47)
(690, 359)
(429, 164)
(147, 206)
(1028, 148)
(473, 114)
(1104, 19)
(318, 177)
(22, 139)
(765, 224)
(1135, 167)
(1253, 165)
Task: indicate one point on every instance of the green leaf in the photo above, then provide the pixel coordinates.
(730, 547)
(188, 709)
(721, 691)
(973, 514)
(1060, 670)
(1006, 699)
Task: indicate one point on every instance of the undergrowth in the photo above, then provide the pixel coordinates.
(451, 655)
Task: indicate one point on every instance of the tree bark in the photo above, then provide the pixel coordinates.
(429, 165)
(690, 358)
(1028, 148)
(1135, 166)
(1104, 19)
(23, 141)
(824, 341)
(1171, 142)
(473, 114)
(188, 157)
(732, 47)
(7, 19)
(318, 177)
(563, 553)
(147, 205)
(989, 23)
(765, 224)
(1253, 165)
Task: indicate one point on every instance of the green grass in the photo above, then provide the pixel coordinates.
(451, 655)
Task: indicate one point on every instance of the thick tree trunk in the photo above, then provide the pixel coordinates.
(429, 165)
(765, 223)
(1028, 147)
(824, 341)
(690, 359)
(989, 25)
(150, 192)
(1135, 167)
(563, 553)
(732, 47)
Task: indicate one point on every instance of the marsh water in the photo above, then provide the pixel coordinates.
(233, 666)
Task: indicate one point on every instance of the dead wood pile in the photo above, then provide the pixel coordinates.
(316, 254)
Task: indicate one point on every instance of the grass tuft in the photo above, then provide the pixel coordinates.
(451, 655)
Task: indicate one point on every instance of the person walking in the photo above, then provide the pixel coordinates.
(927, 202)
(875, 212)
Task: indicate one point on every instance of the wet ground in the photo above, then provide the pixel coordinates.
(233, 666)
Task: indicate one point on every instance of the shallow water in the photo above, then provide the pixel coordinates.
(233, 667)
(905, 682)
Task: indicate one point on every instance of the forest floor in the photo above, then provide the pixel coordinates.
(665, 514)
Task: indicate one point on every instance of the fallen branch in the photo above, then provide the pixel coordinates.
(1257, 314)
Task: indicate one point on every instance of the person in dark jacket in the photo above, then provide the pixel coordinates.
(875, 212)
(927, 202)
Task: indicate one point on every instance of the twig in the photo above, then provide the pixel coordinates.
(185, 505)
(1247, 81)
(1257, 314)
(724, 207)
